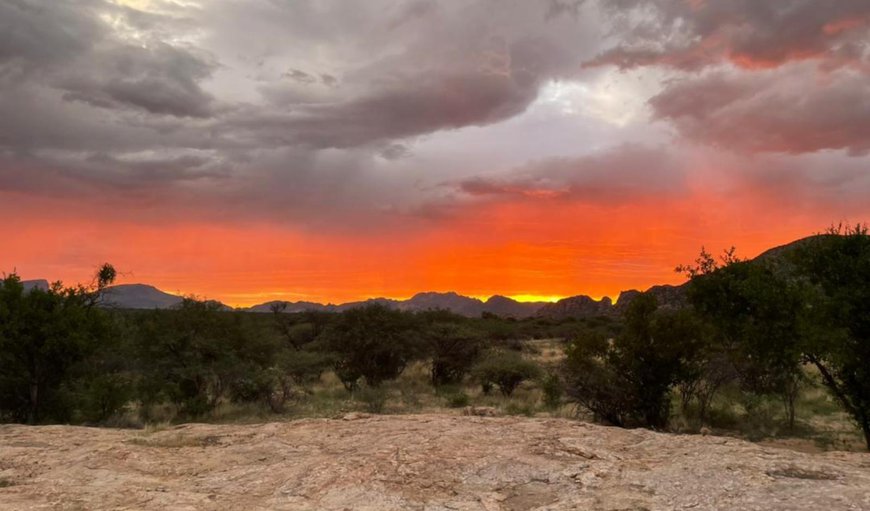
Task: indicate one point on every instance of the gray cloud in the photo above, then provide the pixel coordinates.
(788, 76)
(693, 34)
(300, 76)
(159, 79)
(433, 103)
(619, 175)
(774, 111)
(452, 72)
(69, 48)
(35, 34)
(348, 115)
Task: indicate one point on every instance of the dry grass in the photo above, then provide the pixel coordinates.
(821, 424)
(546, 352)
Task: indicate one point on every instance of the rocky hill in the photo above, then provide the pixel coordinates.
(138, 296)
(454, 302)
(668, 297)
(290, 307)
(577, 307)
(423, 462)
(35, 284)
(510, 308)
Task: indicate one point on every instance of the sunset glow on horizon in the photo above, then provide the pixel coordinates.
(333, 152)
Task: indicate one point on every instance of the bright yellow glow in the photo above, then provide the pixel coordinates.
(536, 298)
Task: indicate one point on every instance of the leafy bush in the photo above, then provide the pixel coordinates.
(515, 409)
(505, 369)
(837, 333)
(48, 338)
(103, 396)
(627, 381)
(552, 387)
(374, 398)
(196, 354)
(458, 400)
(452, 346)
(374, 342)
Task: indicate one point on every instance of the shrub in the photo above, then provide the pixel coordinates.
(374, 342)
(505, 369)
(458, 400)
(454, 347)
(627, 380)
(552, 387)
(47, 336)
(837, 336)
(196, 354)
(103, 396)
(374, 398)
(515, 409)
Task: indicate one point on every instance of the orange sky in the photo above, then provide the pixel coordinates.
(533, 248)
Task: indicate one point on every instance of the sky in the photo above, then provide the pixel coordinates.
(325, 150)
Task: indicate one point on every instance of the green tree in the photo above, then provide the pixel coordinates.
(837, 326)
(372, 342)
(627, 380)
(197, 354)
(756, 308)
(553, 388)
(454, 347)
(506, 370)
(45, 338)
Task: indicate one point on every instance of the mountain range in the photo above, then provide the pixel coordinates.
(464, 305)
(143, 296)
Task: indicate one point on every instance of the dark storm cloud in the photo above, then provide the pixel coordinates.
(319, 112)
(774, 111)
(620, 175)
(788, 76)
(35, 34)
(160, 79)
(433, 103)
(62, 174)
(453, 76)
(693, 34)
(451, 67)
(66, 46)
(564, 7)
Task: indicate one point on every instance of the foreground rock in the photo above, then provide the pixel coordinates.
(424, 462)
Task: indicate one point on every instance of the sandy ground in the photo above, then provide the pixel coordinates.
(421, 462)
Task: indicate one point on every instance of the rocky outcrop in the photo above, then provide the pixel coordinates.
(453, 302)
(510, 308)
(625, 298)
(668, 297)
(40, 284)
(138, 296)
(445, 301)
(424, 462)
(577, 307)
(290, 307)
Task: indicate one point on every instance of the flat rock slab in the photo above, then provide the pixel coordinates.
(417, 462)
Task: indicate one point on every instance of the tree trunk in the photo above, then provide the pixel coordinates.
(33, 414)
(789, 397)
(865, 427)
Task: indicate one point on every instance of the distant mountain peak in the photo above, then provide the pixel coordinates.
(138, 296)
(41, 284)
